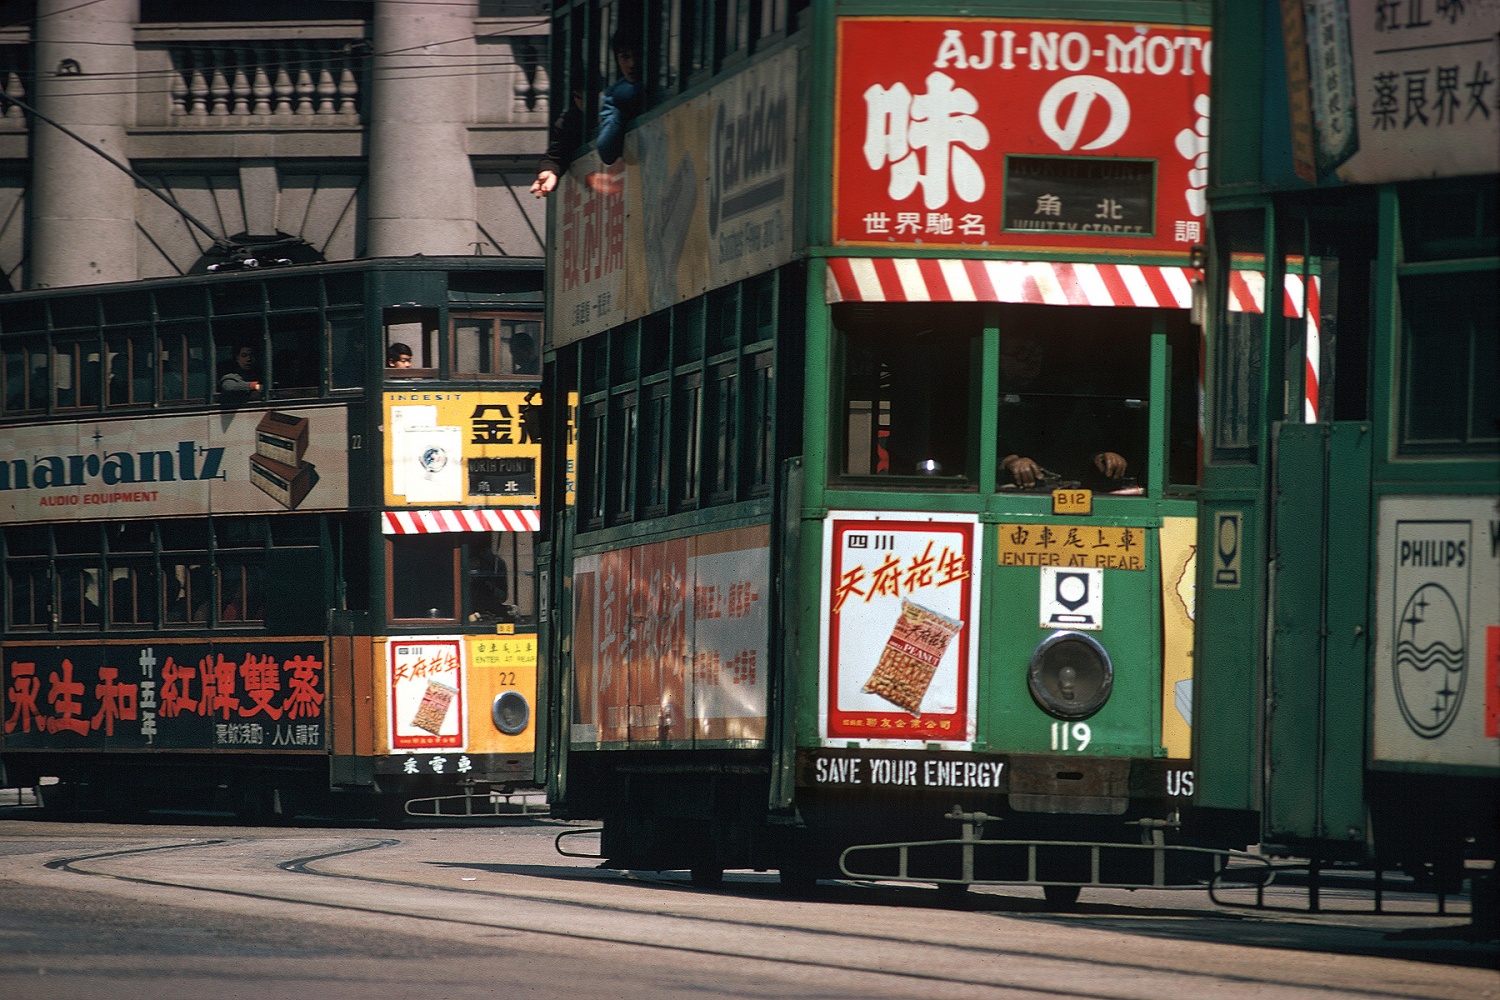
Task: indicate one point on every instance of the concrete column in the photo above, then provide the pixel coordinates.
(82, 206)
(422, 197)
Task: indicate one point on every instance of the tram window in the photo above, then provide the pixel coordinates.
(592, 462)
(1450, 399)
(241, 592)
(77, 373)
(624, 433)
(1074, 389)
(129, 380)
(422, 578)
(131, 536)
(907, 388)
(132, 595)
(687, 444)
(182, 363)
(78, 593)
(417, 330)
(30, 586)
(687, 331)
(294, 353)
(656, 435)
(187, 593)
(760, 409)
(496, 346)
(656, 335)
(346, 351)
(723, 319)
(25, 377)
(720, 432)
(501, 574)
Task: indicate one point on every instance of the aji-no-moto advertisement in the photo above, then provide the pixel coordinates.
(426, 693)
(983, 132)
(194, 694)
(900, 628)
(671, 640)
(235, 461)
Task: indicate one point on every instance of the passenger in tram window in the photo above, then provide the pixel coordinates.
(1052, 431)
(241, 373)
(563, 140)
(623, 100)
(398, 355)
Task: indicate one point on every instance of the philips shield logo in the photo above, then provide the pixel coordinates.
(1430, 661)
(1083, 90)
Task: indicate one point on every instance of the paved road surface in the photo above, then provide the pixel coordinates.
(171, 911)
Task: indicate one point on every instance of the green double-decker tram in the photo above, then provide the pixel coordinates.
(875, 556)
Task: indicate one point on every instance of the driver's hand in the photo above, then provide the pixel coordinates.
(1110, 463)
(1023, 471)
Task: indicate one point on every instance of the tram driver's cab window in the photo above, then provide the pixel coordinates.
(1074, 388)
(411, 343)
(477, 578)
(908, 394)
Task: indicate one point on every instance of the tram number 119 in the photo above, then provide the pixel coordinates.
(1071, 737)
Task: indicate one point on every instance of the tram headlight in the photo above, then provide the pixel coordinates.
(511, 713)
(1070, 675)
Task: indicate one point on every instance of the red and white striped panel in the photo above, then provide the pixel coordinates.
(888, 279)
(424, 522)
(1302, 299)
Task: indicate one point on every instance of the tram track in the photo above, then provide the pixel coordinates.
(586, 922)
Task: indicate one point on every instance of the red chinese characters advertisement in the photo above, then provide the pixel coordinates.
(187, 695)
(992, 133)
(900, 628)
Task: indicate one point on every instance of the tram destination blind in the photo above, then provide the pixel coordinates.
(1080, 194)
(513, 476)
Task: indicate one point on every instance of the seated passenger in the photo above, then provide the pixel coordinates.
(241, 374)
(1050, 431)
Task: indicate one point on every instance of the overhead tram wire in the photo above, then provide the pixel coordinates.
(232, 251)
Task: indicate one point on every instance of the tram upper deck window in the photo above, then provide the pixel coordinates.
(489, 345)
(414, 333)
(1074, 390)
(907, 400)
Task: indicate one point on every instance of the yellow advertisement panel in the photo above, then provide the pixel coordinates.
(462, 448)
(1179, 566)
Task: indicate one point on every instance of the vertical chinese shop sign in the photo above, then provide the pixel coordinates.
(900, 632)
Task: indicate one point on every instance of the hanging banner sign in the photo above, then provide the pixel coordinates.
(988, 132)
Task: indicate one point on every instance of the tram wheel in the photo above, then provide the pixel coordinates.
(1061, 897)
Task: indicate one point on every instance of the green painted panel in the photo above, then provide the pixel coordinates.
(1293, 722)
(1347, 643)
(1227, 662)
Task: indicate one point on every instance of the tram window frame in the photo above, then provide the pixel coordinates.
(655, 423)
(76, 577)
(182, 362)
(24, 375)
(883, 334)
(31, 579)
(77, 373)
(518, 607)
(423, 580)
(624, 450)
(345, 329)
(720, 432)
(487, 350)
(686, 477)
(758, 429)
(131, 366)
(1459, 315)
(592, 458)
(418, 329)
(140, 590)
(1236, 348)
(295, 349)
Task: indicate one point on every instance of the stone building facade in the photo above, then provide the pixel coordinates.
(365, 129)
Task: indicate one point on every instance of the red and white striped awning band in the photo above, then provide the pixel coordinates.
(1053, 283)
(423, 522)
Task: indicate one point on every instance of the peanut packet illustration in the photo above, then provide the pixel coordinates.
(911, 656)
